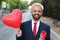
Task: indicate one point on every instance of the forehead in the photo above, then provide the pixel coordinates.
(36, 7)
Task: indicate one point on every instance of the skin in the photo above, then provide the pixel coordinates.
(41, 38)
(36, 12)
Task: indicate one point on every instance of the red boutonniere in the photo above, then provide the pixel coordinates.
(43, 34)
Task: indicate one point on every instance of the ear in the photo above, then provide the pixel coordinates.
(30, 11)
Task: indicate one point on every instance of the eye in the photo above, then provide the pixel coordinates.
(34, 11)
(39, 11)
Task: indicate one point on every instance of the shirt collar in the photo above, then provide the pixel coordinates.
(37, 21)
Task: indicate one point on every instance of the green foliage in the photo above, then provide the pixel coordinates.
(0, 3)
(35, 1)
(16, 4)
(52, 8)
(23, 5)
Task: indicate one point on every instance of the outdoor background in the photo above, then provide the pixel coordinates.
(51, 16)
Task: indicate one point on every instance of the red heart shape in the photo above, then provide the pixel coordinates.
(13, 19)
(43, 34)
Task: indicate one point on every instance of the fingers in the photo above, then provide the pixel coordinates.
(41, 39)
(19, 32)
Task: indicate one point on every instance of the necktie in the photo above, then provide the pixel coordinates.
(34, 29)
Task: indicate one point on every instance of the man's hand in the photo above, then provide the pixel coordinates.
(41, 39)
(19, 32)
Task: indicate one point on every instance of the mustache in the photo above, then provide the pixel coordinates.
(36, 14)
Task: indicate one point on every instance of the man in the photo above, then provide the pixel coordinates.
(32, 29)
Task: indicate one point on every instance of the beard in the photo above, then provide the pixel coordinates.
(36, 16)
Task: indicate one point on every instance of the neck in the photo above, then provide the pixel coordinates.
(35, 20)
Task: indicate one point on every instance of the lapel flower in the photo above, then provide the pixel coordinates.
(43, 34)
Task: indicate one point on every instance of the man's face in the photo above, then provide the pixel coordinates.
(36, 12)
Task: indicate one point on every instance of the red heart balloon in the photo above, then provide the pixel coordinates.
(43, 34)
(13, 19)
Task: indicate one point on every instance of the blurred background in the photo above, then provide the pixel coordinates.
(51, 16)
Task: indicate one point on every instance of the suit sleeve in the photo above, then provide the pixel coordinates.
(20, 38)
(48, 33)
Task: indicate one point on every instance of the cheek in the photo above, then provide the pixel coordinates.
(40, 14)
(33, 13)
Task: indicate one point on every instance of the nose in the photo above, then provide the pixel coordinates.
(37, 12)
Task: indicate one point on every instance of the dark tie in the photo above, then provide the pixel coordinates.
(34, 29)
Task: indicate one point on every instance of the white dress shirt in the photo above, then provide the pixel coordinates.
(37, 25)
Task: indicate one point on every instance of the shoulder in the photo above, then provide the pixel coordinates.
(23, 25)
(45, 25)
(26, 23)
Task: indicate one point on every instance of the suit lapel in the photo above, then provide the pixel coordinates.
(39, 31)
(30, 28)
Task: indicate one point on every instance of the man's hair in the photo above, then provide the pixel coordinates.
(37, 3)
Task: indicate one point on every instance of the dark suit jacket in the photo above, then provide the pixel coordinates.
(27, 33)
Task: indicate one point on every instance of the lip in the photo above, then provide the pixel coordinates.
(36, 15)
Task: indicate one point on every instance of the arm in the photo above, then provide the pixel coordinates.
(19, 38)
(19, 34)
(48, 33)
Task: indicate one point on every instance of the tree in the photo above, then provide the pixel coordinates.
(35, 1)
(16, 4)
(51, 8)
(23, 5)
(0, 3)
